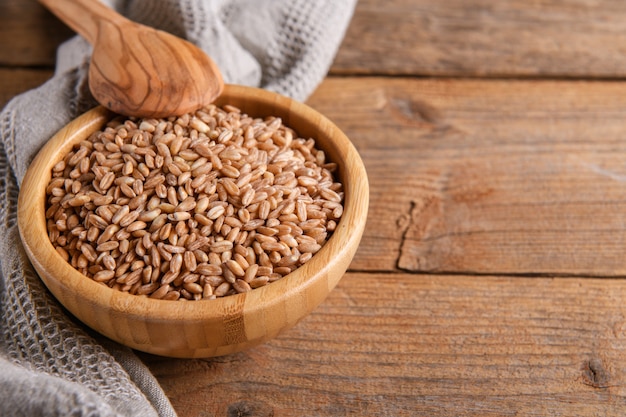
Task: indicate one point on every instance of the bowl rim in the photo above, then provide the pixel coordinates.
(32, 223)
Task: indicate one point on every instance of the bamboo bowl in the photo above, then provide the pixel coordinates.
(202, 328)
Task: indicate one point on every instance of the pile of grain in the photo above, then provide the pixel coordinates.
(199, 206)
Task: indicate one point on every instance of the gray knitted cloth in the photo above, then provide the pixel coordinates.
(50, 364)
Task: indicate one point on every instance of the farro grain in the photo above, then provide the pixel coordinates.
(199, 206)
(251, 273)
(172, 295)
(174, 249)
(207, 291)
(169, 277)
(107, 246)
(124, 246)
(241, 259)
(201, 256)
(179, 216)
(147, 289)
(122, 234)
(241, 286)
(259, 281)
(271, 246)
(208, 269)
(235, 268)
(119, 214)
(80, 261)
(146, 275)
(190, 261)
(128, 219)
(193, 288)
(282, 270)
(161, 291)
(215, 212)
(104, 275)
(228, 275)
(188, 277)
(234, 233)
(222, 289)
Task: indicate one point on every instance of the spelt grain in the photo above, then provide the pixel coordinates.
(259, 281)
(104, 275)
(222, 289)
(200, 206)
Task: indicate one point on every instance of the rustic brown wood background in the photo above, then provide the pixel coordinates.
(491, 278)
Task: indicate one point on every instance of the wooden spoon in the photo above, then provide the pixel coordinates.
(137, 70)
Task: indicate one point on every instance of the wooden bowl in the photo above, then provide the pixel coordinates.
(200, 328)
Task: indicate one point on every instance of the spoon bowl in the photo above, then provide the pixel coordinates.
(137, 70)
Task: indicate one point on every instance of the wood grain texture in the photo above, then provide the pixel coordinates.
(417, 345)
(136, 70)
(573, 38)
(30, 34)
(508, 177)
(14, 81)
(470, 177)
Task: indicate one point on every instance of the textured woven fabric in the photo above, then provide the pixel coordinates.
(50, 364)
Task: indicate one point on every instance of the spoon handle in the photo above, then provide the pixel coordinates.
(83, 16)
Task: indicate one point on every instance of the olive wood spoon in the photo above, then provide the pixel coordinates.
(137, 70)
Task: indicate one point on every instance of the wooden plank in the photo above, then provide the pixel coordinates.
(502, 177)
(417, 37)
(407, 345)
(16, 81)
(574, 38)
(30, 34)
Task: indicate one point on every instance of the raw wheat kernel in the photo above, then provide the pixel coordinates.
(196, 207)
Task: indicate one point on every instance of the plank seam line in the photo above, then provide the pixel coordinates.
(487, 274)
(495, 77)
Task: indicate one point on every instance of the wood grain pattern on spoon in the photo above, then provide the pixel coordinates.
(137, 70)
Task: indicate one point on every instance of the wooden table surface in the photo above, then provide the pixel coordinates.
(491, 277)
